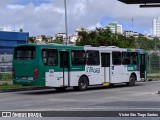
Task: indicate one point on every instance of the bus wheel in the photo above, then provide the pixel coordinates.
(83, 84)
(132, 80)
(60, 88)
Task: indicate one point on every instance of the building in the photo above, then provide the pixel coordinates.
(112, 28)
(156, 27)
(115, 27)
(130, 33)
(61, 35)
(119, 29)
(49, 38)
(73, 38)
(9, 39)
(39, 38)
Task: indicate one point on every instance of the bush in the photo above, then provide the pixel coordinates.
(5, 76)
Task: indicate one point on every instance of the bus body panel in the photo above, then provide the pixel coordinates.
(94, 74)
(125, 74)
(116, 74)
(26, 66)
(105, 75)
(25, 71)
(65, 73)
(54, 78)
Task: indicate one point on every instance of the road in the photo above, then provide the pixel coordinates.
(142, 97)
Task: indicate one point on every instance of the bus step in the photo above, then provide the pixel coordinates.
(105, 83)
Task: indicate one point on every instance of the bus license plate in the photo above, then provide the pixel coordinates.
(24, 78)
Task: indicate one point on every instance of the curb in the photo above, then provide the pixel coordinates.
(24, 89)
(6, 81)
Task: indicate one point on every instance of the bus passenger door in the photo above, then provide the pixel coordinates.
(64, 65)
(142, 65)
(105, 67)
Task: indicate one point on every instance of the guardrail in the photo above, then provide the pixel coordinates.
(6, 68)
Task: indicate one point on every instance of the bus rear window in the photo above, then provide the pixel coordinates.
(24, 53)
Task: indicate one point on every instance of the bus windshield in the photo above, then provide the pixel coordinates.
(24, 53)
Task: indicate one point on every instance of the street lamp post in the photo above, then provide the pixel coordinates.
(66, 26)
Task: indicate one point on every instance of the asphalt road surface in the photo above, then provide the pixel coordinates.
(142, 97)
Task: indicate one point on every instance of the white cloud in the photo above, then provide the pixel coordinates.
(19, 7)
(92, 27)
(49, 7)
(48, 18)
(79, 8)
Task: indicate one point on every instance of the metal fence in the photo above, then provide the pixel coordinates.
(5, 68)
(5, 63)
(154, 64)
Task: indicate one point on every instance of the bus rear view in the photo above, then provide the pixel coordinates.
(25, 65)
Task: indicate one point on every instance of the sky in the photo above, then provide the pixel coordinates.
(47, 17)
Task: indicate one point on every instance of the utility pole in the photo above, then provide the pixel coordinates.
(66, 23)
(132, 24)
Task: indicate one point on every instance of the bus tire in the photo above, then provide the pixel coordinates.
(132, 80)
(83, 84)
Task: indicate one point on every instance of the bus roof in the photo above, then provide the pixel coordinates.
(87, 47)
(52, 45)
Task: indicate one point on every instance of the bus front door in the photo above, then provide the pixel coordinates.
(105, 65)
(64, 65)
(142, 65)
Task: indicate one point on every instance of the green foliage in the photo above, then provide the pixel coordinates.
(6, 86)
(44, 38)
(58, 40)
(104, 37)
(31, 39)
(5, 76)
(21, 30)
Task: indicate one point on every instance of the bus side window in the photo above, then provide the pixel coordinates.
(116, 58)
(92, 57)
(134, 58)
(126, 58)
(50, 57)
(78, 57)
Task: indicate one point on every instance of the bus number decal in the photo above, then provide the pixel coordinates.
(92, 69)
(130, 68)
(51, 72)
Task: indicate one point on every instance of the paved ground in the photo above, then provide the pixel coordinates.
(142, 97)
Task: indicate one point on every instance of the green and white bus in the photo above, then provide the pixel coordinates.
(77, 66)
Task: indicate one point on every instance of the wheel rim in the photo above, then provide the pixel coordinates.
(83, 84)
(132, 80)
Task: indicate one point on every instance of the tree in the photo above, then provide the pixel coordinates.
(58, 40)
(104, 37)
(21, 30)
(32, 39)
